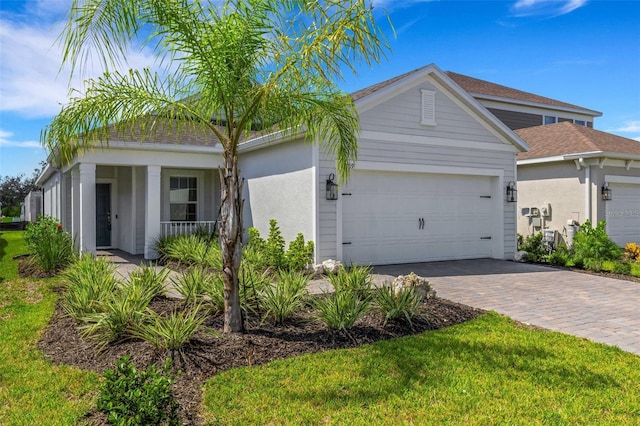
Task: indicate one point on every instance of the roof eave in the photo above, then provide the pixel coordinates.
(585, 111)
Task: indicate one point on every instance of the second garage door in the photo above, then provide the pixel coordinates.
(415, 217)
(623, 213)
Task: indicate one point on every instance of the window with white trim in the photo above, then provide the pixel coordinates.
(550, 119)
(428, 108)
(183, 199)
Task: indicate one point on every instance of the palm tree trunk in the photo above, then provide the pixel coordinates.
(230, 241)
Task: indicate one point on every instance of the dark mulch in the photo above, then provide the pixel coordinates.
(210, 352)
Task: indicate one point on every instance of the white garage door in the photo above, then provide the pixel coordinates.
(623, 213)
(415, 217)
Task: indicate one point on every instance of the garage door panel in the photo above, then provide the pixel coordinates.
(381, 217)
(623, 213)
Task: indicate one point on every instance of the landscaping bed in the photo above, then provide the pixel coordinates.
(210, 352)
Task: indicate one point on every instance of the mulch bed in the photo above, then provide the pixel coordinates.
(210, 353)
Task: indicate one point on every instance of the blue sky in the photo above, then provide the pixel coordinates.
(582, 52)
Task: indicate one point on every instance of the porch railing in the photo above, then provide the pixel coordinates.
(185, 228)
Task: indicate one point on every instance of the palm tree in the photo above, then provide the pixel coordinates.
(226, 68)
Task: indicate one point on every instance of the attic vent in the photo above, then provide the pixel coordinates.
(428, 108)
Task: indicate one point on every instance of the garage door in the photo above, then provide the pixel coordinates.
(415, 217)
(623, 213)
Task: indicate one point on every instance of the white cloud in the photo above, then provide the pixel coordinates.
(32, 84)
(5, 141)
(632, 126)
(549, 8)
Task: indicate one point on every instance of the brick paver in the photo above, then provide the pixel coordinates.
(601, 309)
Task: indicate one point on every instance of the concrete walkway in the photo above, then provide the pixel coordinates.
(601, 309)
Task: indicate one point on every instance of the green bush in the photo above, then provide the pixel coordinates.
(397, 304)
(532, 244)
(559, 257)
(635, 269)
(191, 284)
(281, 299)
(355, 279)
(120, 315)
(90, 282)
(51, 246)
(622, 268)
(149, 277)
(191, 250)
(132, 397)
(213, 290)
(170, 332)
(340, 310)
(592, 246)
(270, 254)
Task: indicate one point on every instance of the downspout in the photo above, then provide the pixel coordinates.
(587, 185)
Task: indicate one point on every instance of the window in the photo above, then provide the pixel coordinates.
(549, 119)
(580, 122)
(428, 108)
(183, 199)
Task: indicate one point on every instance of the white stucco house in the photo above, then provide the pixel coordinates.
(429, 183)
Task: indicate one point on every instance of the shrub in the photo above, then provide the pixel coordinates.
(51, 246)
(122, 313)
(632, 250)
(622, 268)
(213, 291)
(281, 299)
(191, 284)
(252, 282)
(274, 247)
(397, 304)
(132, 397)
(270, 254)
(299, 254)
(90, 282)
(340, 310)
(532, 244)
(592, 246)
(356, 279)
(190, 250)
(635, 270)
(149, 277)
(170, 332)
(560, 256)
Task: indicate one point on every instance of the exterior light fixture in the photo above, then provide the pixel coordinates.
(332, 188)
(606, 192)
(512, 192)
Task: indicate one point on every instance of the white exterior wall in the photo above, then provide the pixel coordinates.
(279, 185)
(393, 137)
(32, 206)
(52, 193)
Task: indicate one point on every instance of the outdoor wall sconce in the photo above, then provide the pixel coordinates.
(606, 192)
(332, 188)
(512, 192)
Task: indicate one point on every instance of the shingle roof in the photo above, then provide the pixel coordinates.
(480, 87)
(567, 138)
(374, 88)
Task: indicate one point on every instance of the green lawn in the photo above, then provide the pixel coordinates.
(487, 371)
(32, 391)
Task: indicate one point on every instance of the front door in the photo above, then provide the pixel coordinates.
(103, 215)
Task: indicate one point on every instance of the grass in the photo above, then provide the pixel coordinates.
(487, 371)
(32, 391)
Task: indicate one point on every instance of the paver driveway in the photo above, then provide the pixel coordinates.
(600, 309)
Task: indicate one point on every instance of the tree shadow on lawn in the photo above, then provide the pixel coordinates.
(453, 357)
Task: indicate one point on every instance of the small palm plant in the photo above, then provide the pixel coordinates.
(355, 279)
(341, 310)
(170, 332)
(150, 277)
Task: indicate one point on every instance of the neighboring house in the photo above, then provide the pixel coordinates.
(566, 170)
(31, 208)
(429, 183)
(568, 163)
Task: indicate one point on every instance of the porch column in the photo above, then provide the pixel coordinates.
(152, 212)
(87, 234)
(75, 207)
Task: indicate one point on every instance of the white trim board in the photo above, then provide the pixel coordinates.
(622, 179)
(423, 168)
